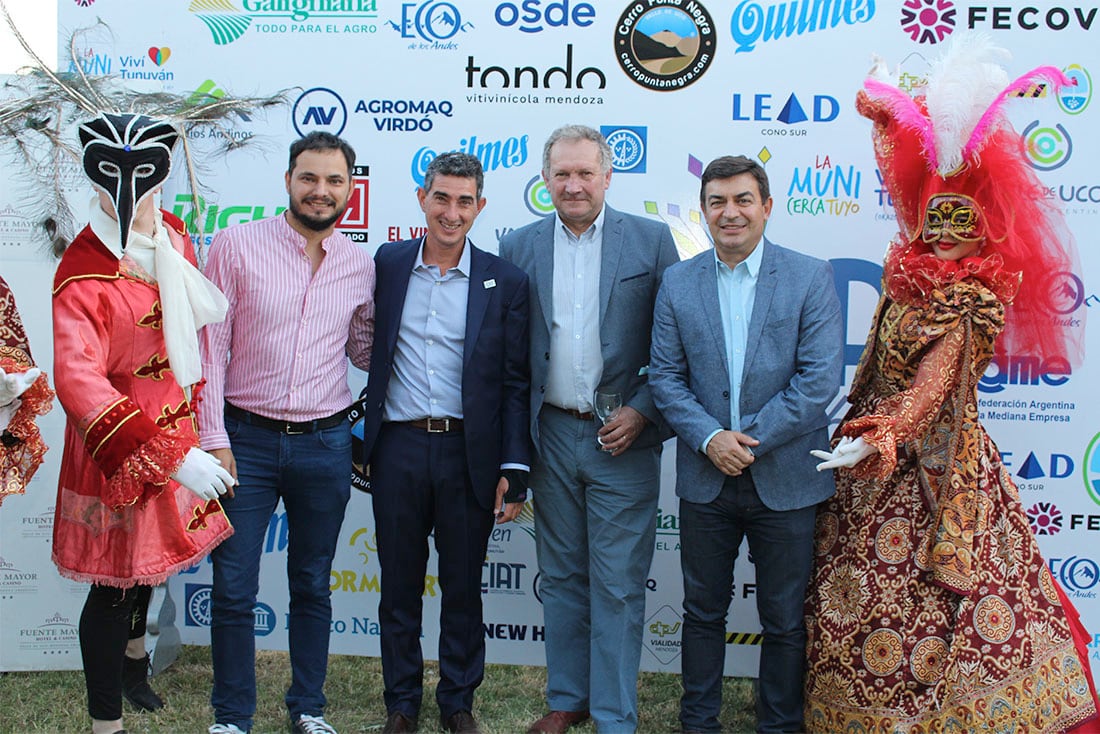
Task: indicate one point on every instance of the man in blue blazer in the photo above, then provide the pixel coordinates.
(445, 434)
(747, 355)
(594, 275)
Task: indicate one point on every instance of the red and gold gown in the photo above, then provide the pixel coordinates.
(120, 519)
(931, 608)
(21, 445)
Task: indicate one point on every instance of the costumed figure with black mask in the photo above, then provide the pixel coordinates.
(137, 499)
(24, 395)
(931, 608)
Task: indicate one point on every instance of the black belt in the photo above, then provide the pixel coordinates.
(574, 412)
(436, 425)
(288, 427)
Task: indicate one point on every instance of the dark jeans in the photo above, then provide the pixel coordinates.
(421, 486)
(781, 548)
(311, 473)
(111, 617)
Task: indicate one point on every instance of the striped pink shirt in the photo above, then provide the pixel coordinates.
(282, 351)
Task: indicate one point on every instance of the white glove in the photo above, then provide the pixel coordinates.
(204, 475)
(849, 452)
(15, 384)
(7, 412)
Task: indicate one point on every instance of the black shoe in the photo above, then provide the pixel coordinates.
(461, 722)
(399, 723)
(135, 685)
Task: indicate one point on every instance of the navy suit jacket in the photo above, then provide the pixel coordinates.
(793, 369)
(635, 254)
(495, 374)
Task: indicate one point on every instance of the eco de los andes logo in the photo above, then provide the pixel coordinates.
(628, 147)
(753, 22)
(928, 21)
(198, 610)
(1078, 575)
(227, 23)
(664, 45)
(431, 25)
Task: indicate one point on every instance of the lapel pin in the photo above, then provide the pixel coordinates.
(491, 283)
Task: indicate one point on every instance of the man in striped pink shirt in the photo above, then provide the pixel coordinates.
(274, 413)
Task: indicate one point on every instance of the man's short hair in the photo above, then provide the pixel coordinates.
(729, 166)
(578, 132)
(460, 165)
(318, 140)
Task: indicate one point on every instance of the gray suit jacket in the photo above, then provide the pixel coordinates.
(793, 369)
(635, 253)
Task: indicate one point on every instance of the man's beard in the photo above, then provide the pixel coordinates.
(311, 222)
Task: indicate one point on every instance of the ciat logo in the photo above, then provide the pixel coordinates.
(928, 21)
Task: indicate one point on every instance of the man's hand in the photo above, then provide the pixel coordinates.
(505, 511)
(731, 452)
(849, 452)
(225, 458)
(617, 434)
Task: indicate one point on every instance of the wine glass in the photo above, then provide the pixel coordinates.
(606, 405)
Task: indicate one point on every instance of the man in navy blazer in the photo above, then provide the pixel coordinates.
(747, 355)
(445, 434)
(594, 275)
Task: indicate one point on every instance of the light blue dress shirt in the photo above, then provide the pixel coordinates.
(736, 295)
(427, 361)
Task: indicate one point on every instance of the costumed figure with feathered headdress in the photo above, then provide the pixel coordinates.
(137, 500)
(931, 608)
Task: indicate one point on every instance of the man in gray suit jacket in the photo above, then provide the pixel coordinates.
(594, 274)
(747, 355)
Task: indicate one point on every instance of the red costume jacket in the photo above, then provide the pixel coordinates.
(120, 519)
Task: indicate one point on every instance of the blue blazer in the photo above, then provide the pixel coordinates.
(495, 374)
(793, 369)
(635, 254)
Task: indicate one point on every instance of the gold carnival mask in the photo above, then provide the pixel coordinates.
(953, 214)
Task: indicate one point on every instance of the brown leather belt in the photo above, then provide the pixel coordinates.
(437, 425)
(575, 413)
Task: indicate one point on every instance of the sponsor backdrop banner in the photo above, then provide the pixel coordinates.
(672, 84)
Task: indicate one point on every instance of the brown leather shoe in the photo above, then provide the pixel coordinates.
(556, 722)
(461, 722)
(399, 723)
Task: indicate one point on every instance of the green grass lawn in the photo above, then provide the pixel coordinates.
(510, 698)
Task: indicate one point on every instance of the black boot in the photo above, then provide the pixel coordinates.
(135, 684)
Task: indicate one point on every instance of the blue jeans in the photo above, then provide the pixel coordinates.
(311, 473)
(781, 549)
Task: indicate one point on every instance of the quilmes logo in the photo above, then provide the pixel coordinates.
(494, 154)
(753, 22)
(319, 109)
(628, 147)
(537, 197)
(1045, 518)
(227, 22)
(1047, 147)
(433, 22)
(354, 221)
(531, 17)
(667, 46)
(1074, 99)
(928, 21)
